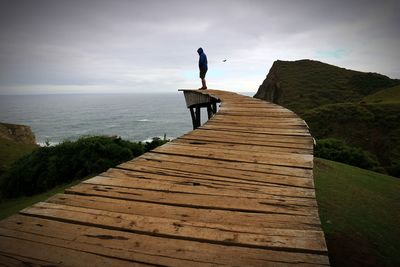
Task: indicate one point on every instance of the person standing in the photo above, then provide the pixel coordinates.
(203, 66)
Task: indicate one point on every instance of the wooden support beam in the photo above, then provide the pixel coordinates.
(198, 119)
(195, 100)
(210, 111)
(214, 107)
(193, 115)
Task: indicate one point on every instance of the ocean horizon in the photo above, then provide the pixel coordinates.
(132, 116)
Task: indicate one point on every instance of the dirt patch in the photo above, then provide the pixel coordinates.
(351, 250)
(321, 165)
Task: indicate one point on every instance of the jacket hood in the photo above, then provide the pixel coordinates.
(200, 50)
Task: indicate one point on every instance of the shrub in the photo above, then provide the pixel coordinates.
(156, 141)
(49, 166)
(367, 83)
(338, 150)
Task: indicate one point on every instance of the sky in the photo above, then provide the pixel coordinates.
(149, 46)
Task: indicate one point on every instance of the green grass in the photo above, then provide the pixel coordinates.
(10, 151)
(9, 207)
(360, 216)
(390, 95)
(372, 127)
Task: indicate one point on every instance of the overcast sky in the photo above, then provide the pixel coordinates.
(51, 46)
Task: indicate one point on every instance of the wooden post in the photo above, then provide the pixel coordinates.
(209, 111)
(193, 117)
(214, 107)
(198, 120)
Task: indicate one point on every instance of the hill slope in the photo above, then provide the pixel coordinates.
(389, 95)
(373, 127)
(10, 151)
(359, 214)
(305, 84)
(360, 108)
(15, 142)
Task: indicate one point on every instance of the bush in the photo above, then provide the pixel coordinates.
(156, 141)
(367, 83)
(49, 166)
(337, 150)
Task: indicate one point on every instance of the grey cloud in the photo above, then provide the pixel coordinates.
(143, 43)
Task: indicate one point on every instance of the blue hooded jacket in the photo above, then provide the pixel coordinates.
(203, 64)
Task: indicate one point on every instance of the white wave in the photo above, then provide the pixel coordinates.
(161, 137)
(44, 143)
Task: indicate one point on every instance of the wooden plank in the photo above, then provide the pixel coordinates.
(249, 141)
(31, 251)
(280, 159)
(253, 142)
(257, 110)
(247, 103)
(152, 250)
(151, 181)
(240, 102)
(262, 115)
(251, 130)
(256, 220)
(242, 166)
(269, 131)
(192, 200)
(253, 123)
(278, 109)
(253, 137)
(259, 137)
(283, 120)
(246, 179)
(10, 260)
(309, 240)
(209, 182)
(212, 174)
(290, 126)
(229, 143)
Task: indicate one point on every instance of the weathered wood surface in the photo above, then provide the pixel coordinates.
(238, 191)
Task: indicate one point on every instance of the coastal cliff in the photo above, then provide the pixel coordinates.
(17, 133)
(270, 90)
(359, 108)
(306, 84)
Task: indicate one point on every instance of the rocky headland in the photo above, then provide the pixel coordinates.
(18, 133)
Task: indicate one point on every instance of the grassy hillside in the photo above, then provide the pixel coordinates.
(360, 108)
(9, 207)
(389, 95)
(373, 127)
(10, 151)
(306, 84)
(359, 212)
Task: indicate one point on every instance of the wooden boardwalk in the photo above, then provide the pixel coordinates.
(237, 191)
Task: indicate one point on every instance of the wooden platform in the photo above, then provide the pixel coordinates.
(238, 191)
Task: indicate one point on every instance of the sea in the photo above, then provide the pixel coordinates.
(135, 117)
